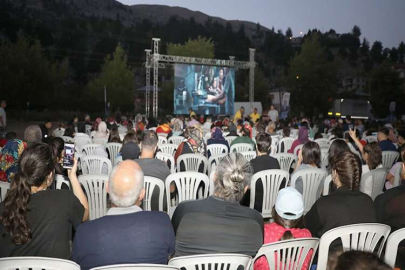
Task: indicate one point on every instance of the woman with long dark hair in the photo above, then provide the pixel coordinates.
(35, 221)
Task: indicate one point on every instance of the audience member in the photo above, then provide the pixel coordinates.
(9, 136)
(356, 260)
(193, 122)
(302, 139)
(207, 125)
(233, 132)
(254, 116)
(347, 205)
(383, 141)
(9, 156)
(336, 147)
(288, 223)
(271, 129)
(227, 226)
(58, 146)
(32, 134)
(177, 128)
(239, 115)
(397, 166)
(193, 145)
(126, 234)
(102, 131)
(245, 137)
(69, 130)
(217, 138)
(273, 114)
(114, 136)
(164, 127)
(35, 221)
(130, 150)
(286, 132)
(46, 129)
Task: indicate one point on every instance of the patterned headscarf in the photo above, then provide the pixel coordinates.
(33, 134)
(195, 140)
(9, 156)
(216, 134)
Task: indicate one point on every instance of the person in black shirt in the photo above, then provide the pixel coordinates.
(219, 224)
(45, 128)
(35, 221)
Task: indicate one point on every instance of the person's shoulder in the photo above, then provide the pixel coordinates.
(157, 216)
(249, 212)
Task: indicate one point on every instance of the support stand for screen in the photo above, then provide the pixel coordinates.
(157, 61)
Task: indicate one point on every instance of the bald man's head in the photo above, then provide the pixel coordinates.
(125, 185)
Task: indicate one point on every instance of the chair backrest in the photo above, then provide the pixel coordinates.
(362, 237)
(285, 144)
(150, 183)
(325, 157)
(94, 185)
(397, 176)
(377, 178)
(326, 185)
(216, 149)
(187, 185)
(37, 263)
(101, 141)
(286, 160)
(289, 254)
(113, 149)
(371, 139)
(213, 162)
(168, 148)
(153, 128)
(388, 158)
(67, 139)
(294, 133)
(271, 181)
(80, 141)
(192, 162)
(60, 180)
(312, 178)
(87, 129)
(96, 165)
(212, 261)
(118, 160)
(59, 132)
(392, 246)
(136, 267)
(322, 142)
(4, 187)
(177, 140)
(241, 147)
(249, 155)
(162, 140)
(88, 149)
(169, 159)
(298, 148)
(230, 139)
(162, 135)
(122, 130)
(212, 184)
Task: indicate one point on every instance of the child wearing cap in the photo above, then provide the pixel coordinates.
(288, 223)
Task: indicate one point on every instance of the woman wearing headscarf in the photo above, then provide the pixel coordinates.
(193, 145)
(302, 139)
(102, 131)
(9, 156)
(217, 138)
(32, 134)
(177, 128)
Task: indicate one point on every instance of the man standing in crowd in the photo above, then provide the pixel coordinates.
(45, 129)
(273, 114)
(239, 114)
(126, 234)
(254, 116)
(3, 117)
(192, 113)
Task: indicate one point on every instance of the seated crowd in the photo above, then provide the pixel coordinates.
(38, 220)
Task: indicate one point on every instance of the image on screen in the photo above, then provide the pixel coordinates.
(208, 90)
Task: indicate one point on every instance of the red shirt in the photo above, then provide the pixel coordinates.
(165, 128)
(273, 233)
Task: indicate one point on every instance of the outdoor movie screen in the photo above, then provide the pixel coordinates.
(208, 90)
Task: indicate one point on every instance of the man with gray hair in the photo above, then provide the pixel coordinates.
(126, 234)
(224, 226)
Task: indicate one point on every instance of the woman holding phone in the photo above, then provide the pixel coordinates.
(36, 221)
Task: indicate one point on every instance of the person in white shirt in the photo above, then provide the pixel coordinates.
(273, 114)
(3, 117)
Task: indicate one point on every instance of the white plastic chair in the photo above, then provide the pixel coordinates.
(150, 183)
(249, 155)
(81, 141)
(167, 158)
(4, 187)
(298, 148)
(371, 139)
(285, 143)
(392, 246)
(60, 180)
(209, 261)
(168, 148)
(118, 160)
(162, 135)
(213, 162)
(37, 263)
(362, 237)
(241, 147)
(230, 139)
(95, 164)
(101, 141)
(153, 128)
(377, 178)
(88, 129)
(113, 150)
(322, 142)
(67, 139)
(216, 149)
(192, 162)
(286, 160)
(289, 254)
(94, 185)
(162, 140)
(294, 133)
(88, 149)
(325, 158)
(177, 140)
(122, 130)
(212, 184)
(58, 132)
(388, 158)
(187, 185)
(326, 185)
(271, 181)
(136, 267)
(312, 178)
(397, 176)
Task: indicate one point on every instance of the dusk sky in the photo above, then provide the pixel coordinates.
(382, 20)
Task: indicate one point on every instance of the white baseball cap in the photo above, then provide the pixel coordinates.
(289, 204)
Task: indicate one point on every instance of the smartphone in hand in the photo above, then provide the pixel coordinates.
(68, 156)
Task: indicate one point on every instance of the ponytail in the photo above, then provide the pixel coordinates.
(287, 224)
